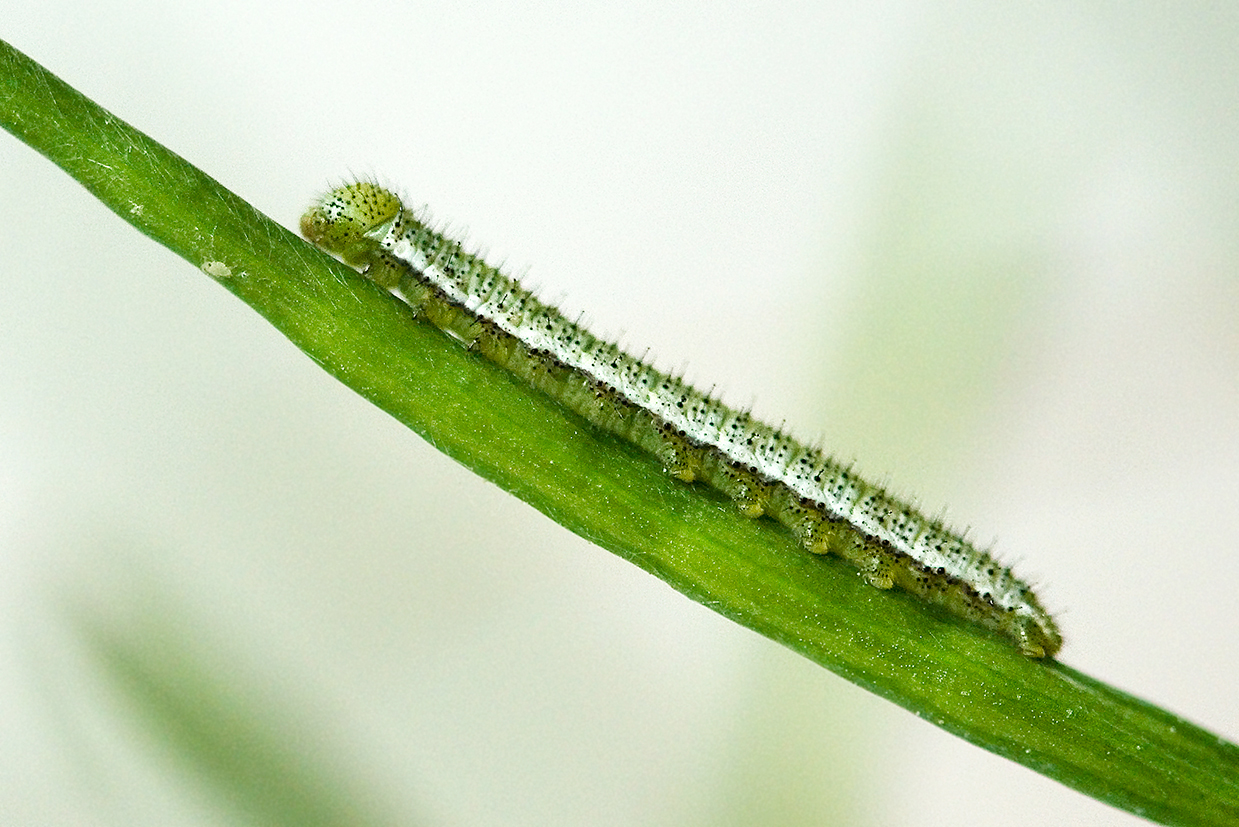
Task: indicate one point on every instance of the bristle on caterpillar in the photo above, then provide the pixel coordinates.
(696, 437)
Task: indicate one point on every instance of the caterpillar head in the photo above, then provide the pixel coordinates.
(341, 219)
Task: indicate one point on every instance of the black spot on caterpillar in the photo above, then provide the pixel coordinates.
(827, 507)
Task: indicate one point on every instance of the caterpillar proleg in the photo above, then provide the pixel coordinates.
(696, 437)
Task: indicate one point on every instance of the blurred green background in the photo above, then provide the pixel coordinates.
(992, 254)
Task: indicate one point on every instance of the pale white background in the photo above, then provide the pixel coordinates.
(991, 254)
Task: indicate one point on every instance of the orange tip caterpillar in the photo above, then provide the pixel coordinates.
(696, 437)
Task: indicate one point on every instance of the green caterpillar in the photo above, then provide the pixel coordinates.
(696, 437)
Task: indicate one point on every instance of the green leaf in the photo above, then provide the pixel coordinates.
(1046, 716)
(241, 743)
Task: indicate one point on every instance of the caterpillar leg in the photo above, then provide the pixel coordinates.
(877, 565)
(1035, 637)
(813, 529)
(746, 488)
(680, 458)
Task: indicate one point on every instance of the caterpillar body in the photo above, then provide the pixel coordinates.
(825, 505)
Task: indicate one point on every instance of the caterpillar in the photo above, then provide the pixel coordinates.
(765, 471)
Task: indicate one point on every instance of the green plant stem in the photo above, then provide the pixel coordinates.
(1044, 715)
